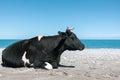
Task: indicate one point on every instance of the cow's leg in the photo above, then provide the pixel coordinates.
(44, 65)
(58, 60)
(54, 64)
(38, 63)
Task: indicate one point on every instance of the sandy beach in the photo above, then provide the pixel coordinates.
(89, 64)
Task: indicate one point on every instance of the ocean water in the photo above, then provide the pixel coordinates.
(88, 43)
(102, 43)
(6, 42)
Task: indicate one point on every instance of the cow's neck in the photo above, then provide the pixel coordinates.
(60, 47)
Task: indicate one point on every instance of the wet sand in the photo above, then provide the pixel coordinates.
(89, 64)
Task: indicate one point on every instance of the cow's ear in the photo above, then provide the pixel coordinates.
(62, 34)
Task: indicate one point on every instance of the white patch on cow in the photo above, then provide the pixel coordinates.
(48, 66)
(39, 38)
(24, 59)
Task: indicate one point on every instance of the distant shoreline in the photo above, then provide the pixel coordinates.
(89, 43)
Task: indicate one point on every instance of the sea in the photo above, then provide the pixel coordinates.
(88, 43)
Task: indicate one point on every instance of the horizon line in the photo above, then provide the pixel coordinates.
(98, 38)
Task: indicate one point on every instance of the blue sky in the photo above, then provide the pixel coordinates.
(92, 19)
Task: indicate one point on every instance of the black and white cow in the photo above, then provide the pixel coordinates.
(41, 51)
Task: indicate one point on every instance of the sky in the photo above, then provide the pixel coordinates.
(92, 19)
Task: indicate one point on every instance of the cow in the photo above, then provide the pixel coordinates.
(41, 51)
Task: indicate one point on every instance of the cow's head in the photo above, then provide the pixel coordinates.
(71, 41)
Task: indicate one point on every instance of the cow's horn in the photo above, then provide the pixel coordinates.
(70, 29)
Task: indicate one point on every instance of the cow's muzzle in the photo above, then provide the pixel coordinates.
(82, 47)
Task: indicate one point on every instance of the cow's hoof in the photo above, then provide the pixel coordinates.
(48, 66)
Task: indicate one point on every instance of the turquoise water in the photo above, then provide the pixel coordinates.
(102, 43)
(6, 42)
(88, 43)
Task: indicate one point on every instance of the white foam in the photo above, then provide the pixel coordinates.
(24, 59)
(48, 66)
(39, 38)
